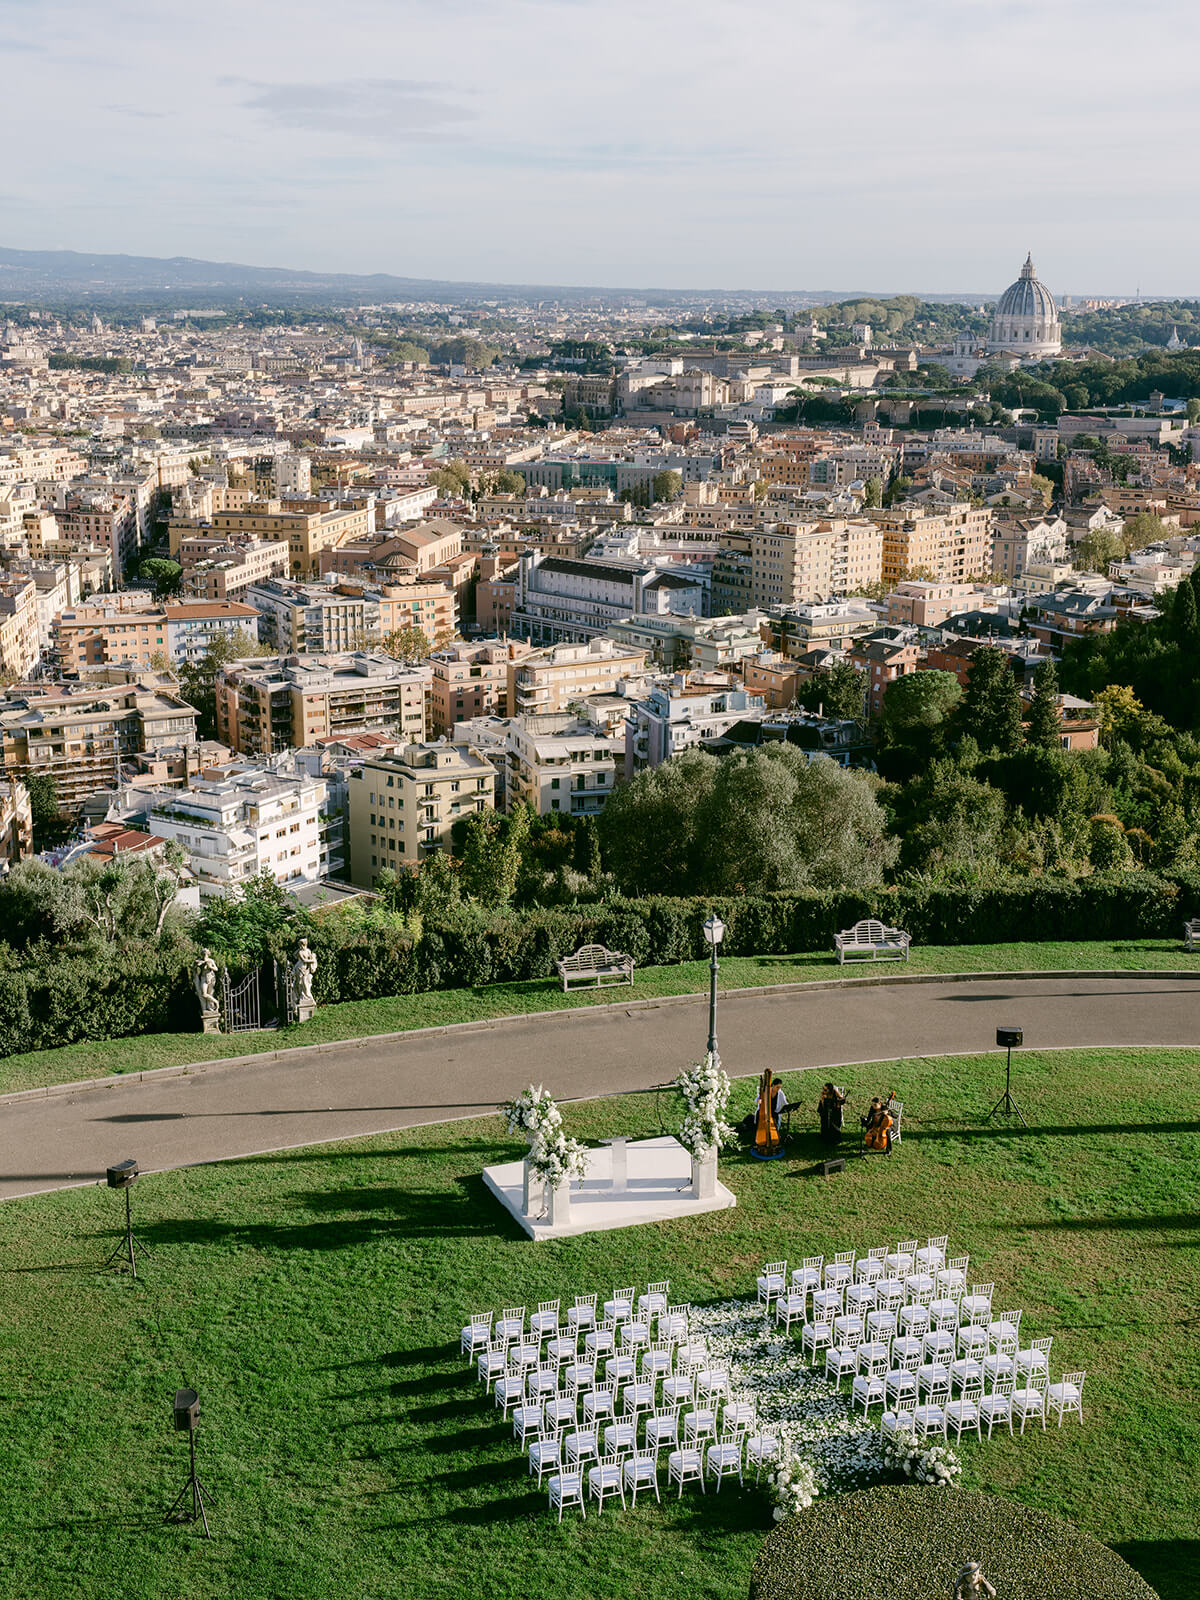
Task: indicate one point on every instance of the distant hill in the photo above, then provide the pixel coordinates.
(47, 274)
(57, 275)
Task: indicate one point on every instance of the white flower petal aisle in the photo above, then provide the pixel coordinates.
(812, 1419)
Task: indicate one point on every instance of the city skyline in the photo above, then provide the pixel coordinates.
(809, 150)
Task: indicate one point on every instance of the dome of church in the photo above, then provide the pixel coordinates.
(1025, 321)
(1028, 297)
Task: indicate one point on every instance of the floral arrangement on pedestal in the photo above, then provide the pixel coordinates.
(553, 1158)
(793, 1486)
(705, 1090)
(556, 1161)
(935, 1463)
(533, 1113)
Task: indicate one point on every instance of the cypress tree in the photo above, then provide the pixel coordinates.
(1044, 726)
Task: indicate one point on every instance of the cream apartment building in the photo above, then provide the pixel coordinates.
(402, 808)
(269, 704)
(795, 562)
(560, 765)
(471, 680)
(551, 680)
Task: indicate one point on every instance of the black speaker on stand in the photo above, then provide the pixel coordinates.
(123, 1176)
(188, 1505)
(1010, 1039)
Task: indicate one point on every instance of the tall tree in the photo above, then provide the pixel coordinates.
(1183, 614)
(917, 708)
(991, 708)
(1044, 723)
(491, 855)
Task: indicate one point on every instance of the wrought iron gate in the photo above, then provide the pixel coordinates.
(285, 999)
(241, 1007)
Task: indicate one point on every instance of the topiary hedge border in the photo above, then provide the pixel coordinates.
(910, 1543)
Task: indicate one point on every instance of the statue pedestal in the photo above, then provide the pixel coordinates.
(704, 1176)
(306, 1010)
(210, 1021)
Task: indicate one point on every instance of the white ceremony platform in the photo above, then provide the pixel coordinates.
(657, 1188)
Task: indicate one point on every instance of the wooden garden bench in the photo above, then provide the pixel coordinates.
(595, 965)
(872, 939)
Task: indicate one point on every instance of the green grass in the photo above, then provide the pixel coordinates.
(361, 1018)
(314, 1299)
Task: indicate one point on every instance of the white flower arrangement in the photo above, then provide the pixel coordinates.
(935, 1463)
(557, 1160)
(793, 1486)
(533, 1113)
(705, 1090)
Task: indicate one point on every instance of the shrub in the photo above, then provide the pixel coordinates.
(833, 1550)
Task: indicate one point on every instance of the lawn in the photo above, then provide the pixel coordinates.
(314, 1300)
(361, 1018)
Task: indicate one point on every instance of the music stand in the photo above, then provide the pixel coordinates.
(1007, 1105)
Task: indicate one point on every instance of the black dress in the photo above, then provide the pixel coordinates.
(830, 1111)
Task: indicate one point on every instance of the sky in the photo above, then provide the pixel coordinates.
(886, 145)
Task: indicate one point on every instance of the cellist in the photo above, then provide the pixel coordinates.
(877, 1127)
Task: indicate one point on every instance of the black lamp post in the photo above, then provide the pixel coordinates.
(714, 932)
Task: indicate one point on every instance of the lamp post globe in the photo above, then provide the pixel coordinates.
(714, 932)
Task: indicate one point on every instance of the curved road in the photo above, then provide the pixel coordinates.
(342, 1091)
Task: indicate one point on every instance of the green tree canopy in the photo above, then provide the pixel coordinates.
(166, 576)
(1097, 548)
(407, 644)
(648, 829)
(757, 821)
(839, 691)
(991, 708)
(1044, 722)
(920, 703)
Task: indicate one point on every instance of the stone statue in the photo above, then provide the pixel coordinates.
(204, 980)
(300, 977)
(972, 1585)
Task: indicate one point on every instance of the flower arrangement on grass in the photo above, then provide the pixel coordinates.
(793, 1486)
(705, 1090)
(935, 1463)
(533, 1113)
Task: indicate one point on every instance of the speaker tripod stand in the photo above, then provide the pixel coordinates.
(123, 1251)
(193, 1489)
(1006, 1106)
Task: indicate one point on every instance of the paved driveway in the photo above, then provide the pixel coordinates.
(342, 1091)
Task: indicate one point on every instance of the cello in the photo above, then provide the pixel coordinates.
(768, 1142)
(877, 1125)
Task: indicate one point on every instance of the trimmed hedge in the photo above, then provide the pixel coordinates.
(144, 989)
(909, 1543)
